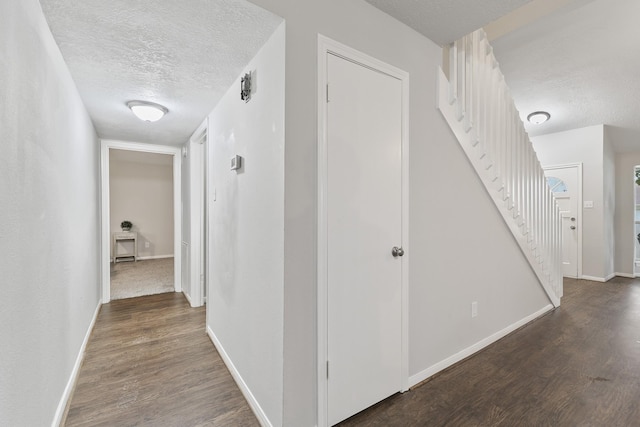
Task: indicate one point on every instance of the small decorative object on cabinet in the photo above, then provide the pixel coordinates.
(126, 225)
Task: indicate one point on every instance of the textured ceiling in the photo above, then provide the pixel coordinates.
(181, 54)
(581, 64)
(577, 59)
(444, 21)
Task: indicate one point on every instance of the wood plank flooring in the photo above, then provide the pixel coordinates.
(577, 366)
(149, 362)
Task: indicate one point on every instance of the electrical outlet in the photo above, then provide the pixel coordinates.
(474, 309)
(146, 245)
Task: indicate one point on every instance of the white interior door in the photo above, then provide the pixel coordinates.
(564, 182)
(364, 222)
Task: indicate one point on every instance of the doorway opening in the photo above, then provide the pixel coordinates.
(141, 226)
(139, 242)
(565, 181)
(196, 222)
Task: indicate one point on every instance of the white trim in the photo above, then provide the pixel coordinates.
(636, 258)
(253, 402)
(326, 46)
(580, 207)
(197, 200)
(68, 390)
(594, 278)
(210, 197)
(627, 275)
(105, 219)
(144, 258)
(405, 230)
(432, 370)
(200, 134)
(186, 295)
(104, 207)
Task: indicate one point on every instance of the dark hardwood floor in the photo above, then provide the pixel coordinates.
(149, 362)
(577, 366)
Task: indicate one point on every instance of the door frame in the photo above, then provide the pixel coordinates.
(635, 271)
(579, 221)
(105, 146)
(197, 212)
(328, 46)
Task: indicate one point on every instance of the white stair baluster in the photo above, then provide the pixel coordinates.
(477, 104)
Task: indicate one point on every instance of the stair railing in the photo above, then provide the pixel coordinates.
(478, 106)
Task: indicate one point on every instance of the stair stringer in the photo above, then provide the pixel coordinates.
(541, 264)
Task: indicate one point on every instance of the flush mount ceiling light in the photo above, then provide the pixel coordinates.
(538, 117)
(147, 111)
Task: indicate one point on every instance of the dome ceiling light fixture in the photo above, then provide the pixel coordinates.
(538, 117)
(147, 111)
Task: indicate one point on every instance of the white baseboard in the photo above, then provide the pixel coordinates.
(143, 258)
(186, 295)
(432, 370)
(57, 420)
(253, 403)
(594, 279)
(627, 275)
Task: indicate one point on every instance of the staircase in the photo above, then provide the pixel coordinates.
(477, 104)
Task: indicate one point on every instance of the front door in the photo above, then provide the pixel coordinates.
(364, 223)
(563, 182)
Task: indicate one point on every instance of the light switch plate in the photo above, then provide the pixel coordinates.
(588, 204)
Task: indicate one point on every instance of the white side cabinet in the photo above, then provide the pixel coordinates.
(122, 236)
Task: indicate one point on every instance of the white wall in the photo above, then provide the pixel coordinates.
(141, 191)
(245, 297)
(49, 221)
(625, 235)
(451, 216)
(586, 146)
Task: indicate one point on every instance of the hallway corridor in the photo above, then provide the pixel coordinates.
(149, 362)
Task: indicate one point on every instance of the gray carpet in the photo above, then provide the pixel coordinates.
(134, 279)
